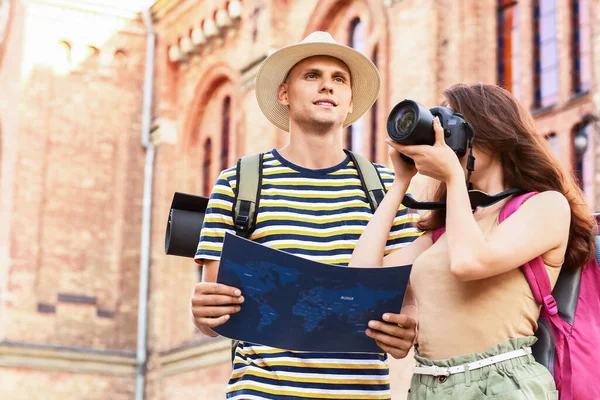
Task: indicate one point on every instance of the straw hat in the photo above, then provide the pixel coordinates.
(365, 79)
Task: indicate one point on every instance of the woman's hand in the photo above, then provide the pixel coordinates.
(437, 161)
(403, 171)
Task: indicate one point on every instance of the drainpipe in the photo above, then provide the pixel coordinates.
(142, 325)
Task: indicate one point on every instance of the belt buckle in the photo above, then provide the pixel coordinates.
(441, 371)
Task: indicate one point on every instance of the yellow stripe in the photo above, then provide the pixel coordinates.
(297, 246)
(223, 192)
(281, 378)
(226, 207)
(318, 220)
(217, 234)
(274, 231)
(404, 235)
(306, 395)
(216, 218)
(228, 174)
(210, 246)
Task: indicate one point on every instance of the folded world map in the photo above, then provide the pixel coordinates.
(297, 304)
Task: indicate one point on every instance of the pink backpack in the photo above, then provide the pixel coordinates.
(569, 324)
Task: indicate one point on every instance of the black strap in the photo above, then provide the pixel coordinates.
(477, 198)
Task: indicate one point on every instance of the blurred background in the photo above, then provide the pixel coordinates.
(107, 107)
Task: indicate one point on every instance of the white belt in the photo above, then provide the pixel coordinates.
(447, 371)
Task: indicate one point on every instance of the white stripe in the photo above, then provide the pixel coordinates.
(223, 188)
(250, 397)
(286, 374)
(311, 181)
(288, 214)
(303, 243)
(227, 203)
(281, 389)
(316, 193)
(291, 229)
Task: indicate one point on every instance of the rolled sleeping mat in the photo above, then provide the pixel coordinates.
(184, 224)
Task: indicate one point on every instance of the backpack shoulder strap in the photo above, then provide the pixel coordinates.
(370, 179)
(534, 270)
(247, 198)
(245, 204)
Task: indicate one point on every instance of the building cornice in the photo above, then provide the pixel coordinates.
(162, 7)
(70, 359)
(195, 355)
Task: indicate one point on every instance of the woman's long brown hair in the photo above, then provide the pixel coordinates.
(505, 130)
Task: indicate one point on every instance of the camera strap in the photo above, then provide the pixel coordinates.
(477, 198)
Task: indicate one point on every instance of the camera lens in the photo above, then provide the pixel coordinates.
(410, 123)
(406, 120)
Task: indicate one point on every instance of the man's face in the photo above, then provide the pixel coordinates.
(317, 92)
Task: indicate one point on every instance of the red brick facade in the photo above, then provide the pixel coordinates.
(72, 162)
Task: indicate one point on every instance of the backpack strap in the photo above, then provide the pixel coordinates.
(435, 235)
(245, 204)
(247, 198)
(369, 178)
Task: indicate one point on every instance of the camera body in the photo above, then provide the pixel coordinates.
(409, 123)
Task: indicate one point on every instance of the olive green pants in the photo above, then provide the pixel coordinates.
(515, 379)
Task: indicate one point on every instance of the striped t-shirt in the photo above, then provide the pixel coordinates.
(318, 215)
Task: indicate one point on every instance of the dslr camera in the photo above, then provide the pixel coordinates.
(409, 123)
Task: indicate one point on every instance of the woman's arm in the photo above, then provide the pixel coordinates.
(541, 224)
(370, 248)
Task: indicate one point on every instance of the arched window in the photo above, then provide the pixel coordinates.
(357, 41)
(580, 46)
(508, 46)
(225, 126)
(545, 53)
(374, 119)
(207, 157)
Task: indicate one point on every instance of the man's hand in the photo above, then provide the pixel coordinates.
(395, 334)
(212, 304)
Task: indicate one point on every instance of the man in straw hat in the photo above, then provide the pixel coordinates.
(312, 205)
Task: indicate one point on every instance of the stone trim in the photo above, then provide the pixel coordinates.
(196, 355)
(71, 359)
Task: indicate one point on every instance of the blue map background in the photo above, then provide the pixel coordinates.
(296, 304)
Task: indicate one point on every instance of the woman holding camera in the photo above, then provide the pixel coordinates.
(473, 304)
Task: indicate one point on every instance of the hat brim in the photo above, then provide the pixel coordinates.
(365, 79)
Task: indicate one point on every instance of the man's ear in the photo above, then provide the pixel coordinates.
(282, 94)
(351, 107)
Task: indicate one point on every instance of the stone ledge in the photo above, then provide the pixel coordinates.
(72, 359)
(196, 355)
